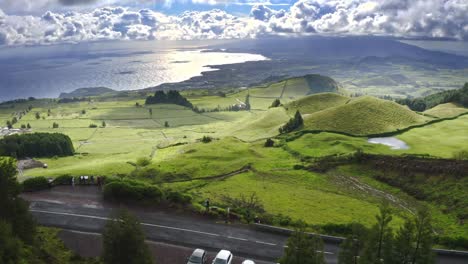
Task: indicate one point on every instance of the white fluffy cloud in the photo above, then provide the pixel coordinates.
(405, 18)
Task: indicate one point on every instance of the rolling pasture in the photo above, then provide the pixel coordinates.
(180, 161)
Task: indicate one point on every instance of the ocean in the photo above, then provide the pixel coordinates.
(46, 71)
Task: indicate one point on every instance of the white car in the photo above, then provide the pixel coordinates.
(223, 257)
(248, 262)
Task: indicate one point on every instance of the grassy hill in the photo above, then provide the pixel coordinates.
(446, 110)
(363, 116)
(316, 102)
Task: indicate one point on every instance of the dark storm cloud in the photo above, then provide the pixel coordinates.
(76, 2)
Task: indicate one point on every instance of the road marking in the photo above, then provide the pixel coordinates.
(265, 243)
(107, 218)
(324, 252)
(238, 238)
(180, 229)
(70, 214)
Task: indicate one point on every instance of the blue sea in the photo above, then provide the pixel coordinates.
(46, 71)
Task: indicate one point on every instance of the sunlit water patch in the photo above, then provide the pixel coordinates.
(392, 142)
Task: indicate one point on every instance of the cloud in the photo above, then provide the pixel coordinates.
(403, 18)
(76, 2)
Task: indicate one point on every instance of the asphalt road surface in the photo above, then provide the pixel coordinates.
(82, 210)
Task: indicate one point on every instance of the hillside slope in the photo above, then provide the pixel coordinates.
(316, 102)
(363, 116)
(446, 110)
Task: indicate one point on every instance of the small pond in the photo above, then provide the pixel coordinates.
(392, 142)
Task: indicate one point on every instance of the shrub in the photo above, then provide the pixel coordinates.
(178, 197)
(452, 242)
(63, 180)
(132, 191)
(269, 143)
(92, 126)
(35, 184)
(206, 139)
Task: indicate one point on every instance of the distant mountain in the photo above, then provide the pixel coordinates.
(319, 49)
(85, 92)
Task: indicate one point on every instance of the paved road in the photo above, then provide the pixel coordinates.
(82, 209)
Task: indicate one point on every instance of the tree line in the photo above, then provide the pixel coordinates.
(459, 96)
(410, 244)
(36, 145)
(170, 97)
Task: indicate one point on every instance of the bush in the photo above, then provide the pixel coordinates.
(63, 180)
(206, 139)
(132, 191)
(35, 184)
(178, 198)
(452, 242)
(92, 126)
(269, 143)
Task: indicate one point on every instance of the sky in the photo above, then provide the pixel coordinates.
(33, 22)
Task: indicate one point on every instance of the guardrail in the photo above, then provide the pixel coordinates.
(338, 240)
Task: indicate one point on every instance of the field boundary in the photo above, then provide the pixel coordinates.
(220, 176)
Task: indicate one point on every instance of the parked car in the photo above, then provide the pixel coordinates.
(248, 262)
(198, 257)
(223, 257)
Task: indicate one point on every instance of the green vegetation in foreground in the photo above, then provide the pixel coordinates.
(176, 153)
(363, 116)
(21, 241)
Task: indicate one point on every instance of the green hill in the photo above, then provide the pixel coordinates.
(316, 102)
(297, 87)
(446, 110)
(363, 116)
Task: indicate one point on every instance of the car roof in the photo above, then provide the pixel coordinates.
(198, 252)
(248, 262)
(223, 254)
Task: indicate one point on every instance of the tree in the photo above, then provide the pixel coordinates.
(404, 240)
(275, 103)
(423, 238)
(10, 245)
(351, 247)
(9, 124)
(28, 126)
(83, 112)
(247, 102)
(269, 143)
(166, 124)
(38, 115)
(150, 111)
(124, 241)
(14, 210)
(293, 123)
(379, 242)
(103, 124)
(55, 125)
(303, 248)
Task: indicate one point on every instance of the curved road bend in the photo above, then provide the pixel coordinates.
(82, 209)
